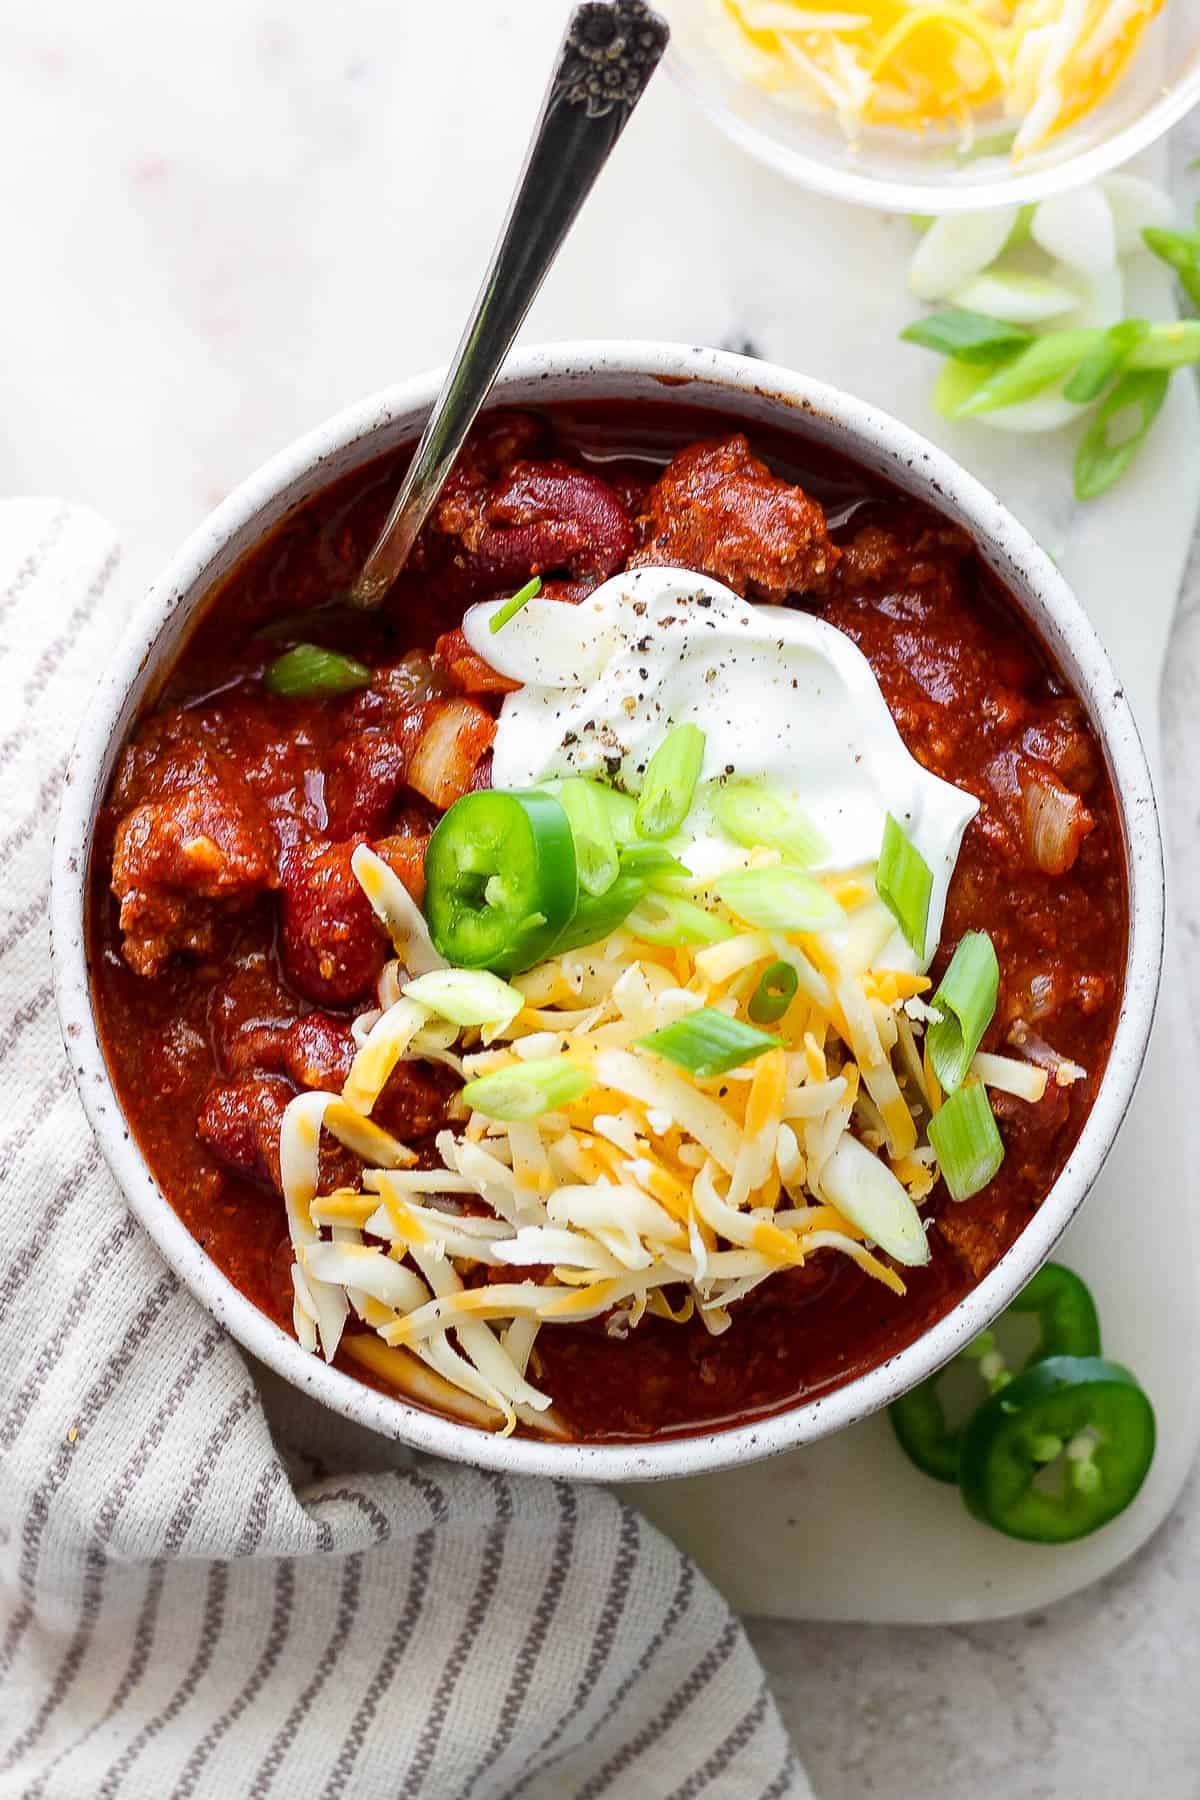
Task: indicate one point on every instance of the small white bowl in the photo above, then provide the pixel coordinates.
(901, 171)
(758, 394)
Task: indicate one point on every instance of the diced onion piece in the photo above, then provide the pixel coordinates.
(528, 1089)
(396, 909)
(1054, 821)
(904, 883)
(969, 1148)
(779, 899)
(956, 247)
(467, 996)
(1077, 229)
(862, 1187)
(708, 1042)
(966, 998)
(1015, 297)
(758, 815)
(443, 764)
(670, 782)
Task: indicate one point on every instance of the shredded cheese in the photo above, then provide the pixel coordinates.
(942, 64)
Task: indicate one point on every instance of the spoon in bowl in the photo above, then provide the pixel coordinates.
(609, 51)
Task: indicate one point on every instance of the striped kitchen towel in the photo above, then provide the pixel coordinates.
(211, 1587)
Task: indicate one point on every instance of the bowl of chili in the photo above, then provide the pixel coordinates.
(974, 594)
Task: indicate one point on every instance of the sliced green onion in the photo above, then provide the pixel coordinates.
(1180, 250)
(779, 899)
(670, 782)
(956, 383)
(774, 994)
(1168, 346)
(965, 1138)
(466, 996)
(597, 916)
(966, 998)
(1046, 360)
(1133, 405)
(1014, 297)
(591, 827)
(527, 1089)
(708, 1042)
(1097, 370)
(973, 337)
(512, 607)
(758, 816)
(653, 865)
(308, 672)
(670, 920)
(904, 883)
(862, 1186)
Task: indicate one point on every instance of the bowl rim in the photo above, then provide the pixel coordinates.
(925, 198)
(693, 374)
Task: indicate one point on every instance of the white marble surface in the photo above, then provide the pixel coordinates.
(218, 225)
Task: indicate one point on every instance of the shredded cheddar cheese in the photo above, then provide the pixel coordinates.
(1037, 64)
(653, 1191)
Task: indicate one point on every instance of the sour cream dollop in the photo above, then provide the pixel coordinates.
(780, 696)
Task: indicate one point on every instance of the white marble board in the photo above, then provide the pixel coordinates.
(215, 292)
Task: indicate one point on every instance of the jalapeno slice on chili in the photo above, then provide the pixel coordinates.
(1058, 1452)
(500, 880)
(1068, 1325)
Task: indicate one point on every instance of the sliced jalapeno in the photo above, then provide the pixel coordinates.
(1068, 1325)
(1058, 1452)
(500, 880)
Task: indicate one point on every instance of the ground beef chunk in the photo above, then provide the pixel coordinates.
(466, 672)
(505, 514)
(719, 510)
(239, 1122)
(249, 1016)
(177, 859)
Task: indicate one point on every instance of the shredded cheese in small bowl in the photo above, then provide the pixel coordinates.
(941, 105)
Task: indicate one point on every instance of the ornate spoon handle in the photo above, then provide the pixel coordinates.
(610, 51)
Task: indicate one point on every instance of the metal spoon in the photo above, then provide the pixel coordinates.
(610, 50)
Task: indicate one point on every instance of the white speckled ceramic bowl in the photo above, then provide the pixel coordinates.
(755, 392)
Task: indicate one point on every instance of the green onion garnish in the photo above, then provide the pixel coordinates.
(1046, 360)
(1097, 370)
(1180, 250)
(774, 994)
(592, 828)
(670, 920)
(708, 1042)
(971, 336)
(512, 607)
(1115, 434)
(528, 1089)
(652, 864)
(968, 1145)
(757, 816)
(466, 996)
(966, 998)
(670, 782)
(308, 672)
(779, 899)
(597, 916)
(904, 883)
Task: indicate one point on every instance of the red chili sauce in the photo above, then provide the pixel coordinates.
(231, 946)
